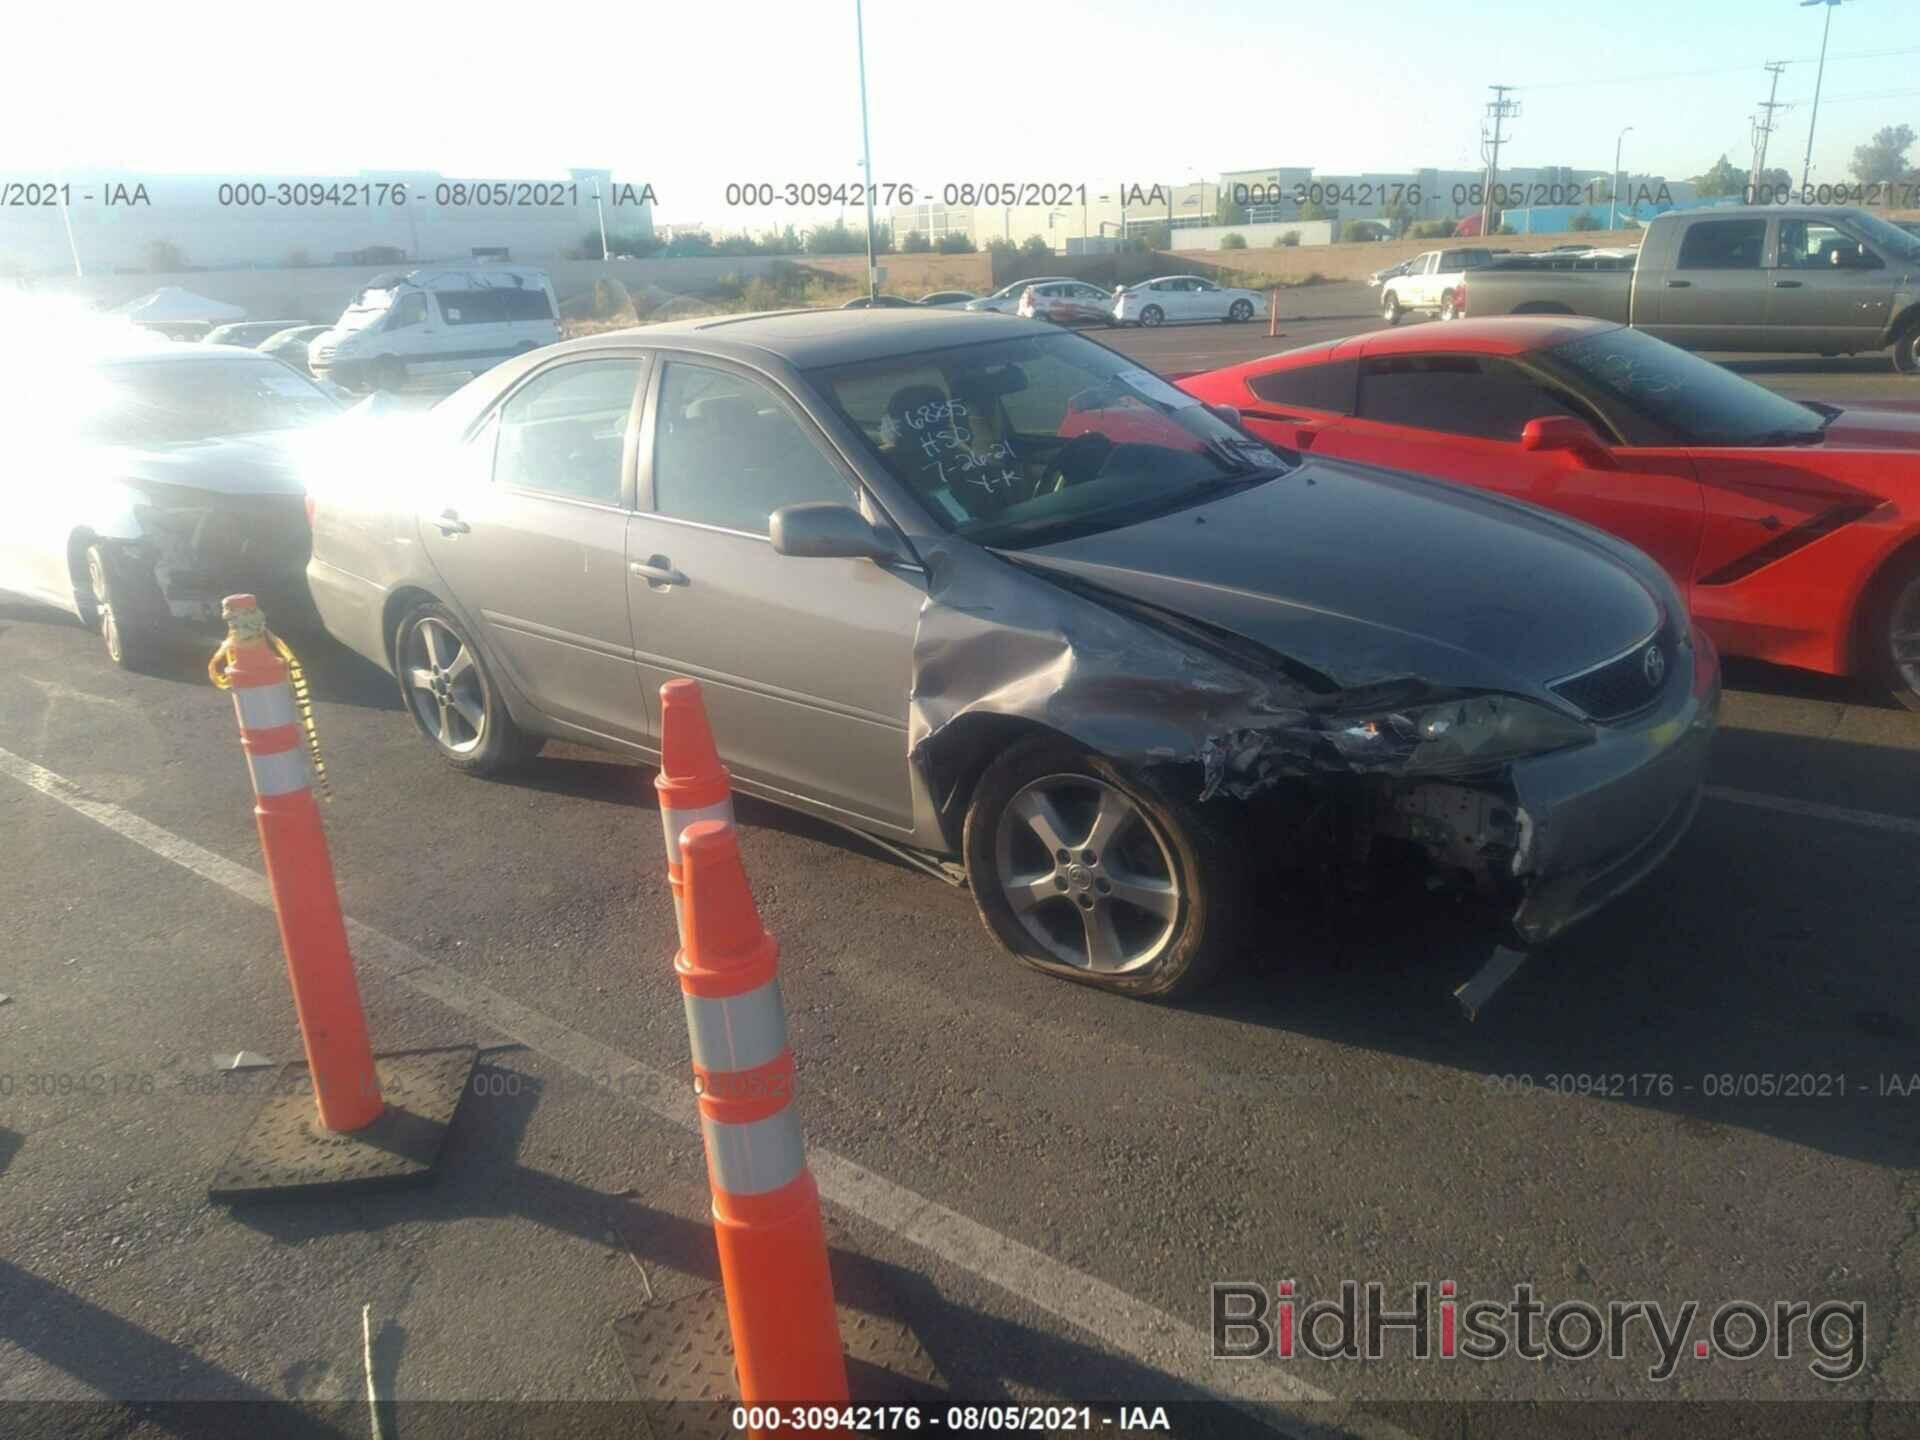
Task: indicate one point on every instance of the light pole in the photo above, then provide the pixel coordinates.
(1613, 206)
(1806, 169)
(866, 143)
(600, 210)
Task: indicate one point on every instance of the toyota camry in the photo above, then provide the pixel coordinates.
(1007, 602)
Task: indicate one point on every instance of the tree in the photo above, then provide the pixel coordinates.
(1036, 246)
(1314, 210)
(915, 243)
(164, 257)
(1724, 178)
(955, 243)
(999, 245)
(1431, 230)
(1228, 211)
(1400, 217)
(1883, 160)
(1158, 236)
(1233, 240)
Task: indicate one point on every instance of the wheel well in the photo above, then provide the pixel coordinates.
(1891, 571)
(77, 546)
(398, 604)
(1542, 307)
(1907, 319)
(953, 759)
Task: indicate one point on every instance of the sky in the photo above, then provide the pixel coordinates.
(693, 97)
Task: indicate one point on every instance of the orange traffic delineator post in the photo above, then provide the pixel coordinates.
(693, 785)
(290, 1147)
(766, 1207)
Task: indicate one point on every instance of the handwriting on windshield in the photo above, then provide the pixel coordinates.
(946, 443)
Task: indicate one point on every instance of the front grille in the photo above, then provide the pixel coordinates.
(1624, 685)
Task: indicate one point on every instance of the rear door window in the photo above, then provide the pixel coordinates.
(1723, 245)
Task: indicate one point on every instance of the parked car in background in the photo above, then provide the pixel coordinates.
(1792, 529)
(143, 486)
(879, 302)
(1431, 281)
(1173, 298)
(1820, 280)
(1067, 302)
(247, 332)
(948, 299)
(1006, 299)
(995, 593)
(290, 346)
(436, 321)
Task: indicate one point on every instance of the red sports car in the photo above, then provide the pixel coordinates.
(1793, 528)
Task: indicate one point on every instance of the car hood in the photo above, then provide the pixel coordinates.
(260, 464)
(1367, 576)
(1874, 430)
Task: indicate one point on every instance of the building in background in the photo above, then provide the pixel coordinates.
(127, 222)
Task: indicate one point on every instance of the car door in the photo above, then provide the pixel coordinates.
(1460, 416)
(409, 333)
(1090, 302)
(1207, 301)
(1715, 297)
(529, 533)
(806, 663)
(1829, 292)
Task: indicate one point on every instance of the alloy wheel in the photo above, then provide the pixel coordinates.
(446, 687)
(1088, 875)
(103, 604)
(1903, 638)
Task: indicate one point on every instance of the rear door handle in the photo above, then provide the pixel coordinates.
(450, 523)
(657, 571)
(1679, 284)
(1786, 284)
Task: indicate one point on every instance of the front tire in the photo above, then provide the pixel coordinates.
(387, 374)
(1390, 311)
(1096, 876)
(1893, 633)
(1240, 312)
(1447, 311)
(455, 705)
(1152, 315)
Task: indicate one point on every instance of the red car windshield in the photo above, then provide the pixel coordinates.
(1661, 395)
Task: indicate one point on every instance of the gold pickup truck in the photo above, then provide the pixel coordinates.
(1824, 280)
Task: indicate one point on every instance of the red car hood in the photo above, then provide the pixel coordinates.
(1874, 430)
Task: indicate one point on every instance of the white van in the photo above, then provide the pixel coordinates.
(436, 322)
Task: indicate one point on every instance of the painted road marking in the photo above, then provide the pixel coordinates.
(1128, 1326)
(1813, 810)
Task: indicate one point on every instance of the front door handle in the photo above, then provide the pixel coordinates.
(450, 523)
(1679, 284)
(1786, 284)
(657, 571)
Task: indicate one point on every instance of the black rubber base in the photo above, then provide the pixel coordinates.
(680, 1355)
(285, 1153)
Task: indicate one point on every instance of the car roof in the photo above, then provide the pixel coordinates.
(175, 353)
(809, 338)
(1499, 335)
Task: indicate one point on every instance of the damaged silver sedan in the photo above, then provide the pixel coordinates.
(1011, 605)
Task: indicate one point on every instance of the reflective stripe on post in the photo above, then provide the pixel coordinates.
(757, 1157)
(737, 1032)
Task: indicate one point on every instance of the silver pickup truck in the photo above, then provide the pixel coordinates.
(1771, 278)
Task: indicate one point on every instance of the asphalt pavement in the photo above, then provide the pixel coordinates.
(1706, 1093)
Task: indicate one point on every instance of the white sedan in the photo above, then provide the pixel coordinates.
(1184, 297)
(1066, 302)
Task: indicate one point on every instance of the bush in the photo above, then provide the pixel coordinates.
(1506, 229)
(997, 246)
(1036, 246)
(1583, 221)
(1357, 230)
(915, 242)
(954, 243)
(1431, 230)
(1286, 240)
(1233, 240)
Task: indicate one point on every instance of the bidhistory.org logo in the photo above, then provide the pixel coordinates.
(1435, 1322)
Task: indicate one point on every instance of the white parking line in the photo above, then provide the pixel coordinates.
(1128, 1326)
(1813, 810)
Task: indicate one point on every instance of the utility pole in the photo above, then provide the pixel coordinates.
(1763, 131)
(1499, 109)
(1806, 169)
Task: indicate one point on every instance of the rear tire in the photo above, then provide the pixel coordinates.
(1152, 315)
(451, 696)
(1906, 350)
(133, 638)
(1240, 312)
(1893, 636)
(1149, 910)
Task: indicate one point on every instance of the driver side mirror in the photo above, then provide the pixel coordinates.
(825, 529)
(1227, 413)
(1570, 434)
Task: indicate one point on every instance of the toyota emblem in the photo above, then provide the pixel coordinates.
(1654, 666)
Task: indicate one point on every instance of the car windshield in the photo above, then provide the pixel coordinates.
(1888, 236)
(1021, 442)
(1677, 397)
(369, 308)
(159, 403)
